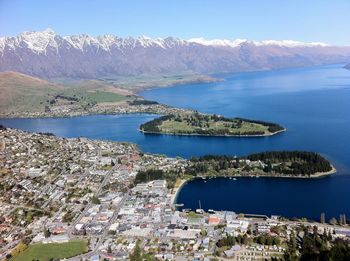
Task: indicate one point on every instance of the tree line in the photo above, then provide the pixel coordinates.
(302, 162)
(281, 162)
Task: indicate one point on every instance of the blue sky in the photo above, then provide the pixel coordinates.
(323, 20)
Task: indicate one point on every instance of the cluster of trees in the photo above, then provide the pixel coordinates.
(47, 134)
(63, 97)
(226, 241)
(68, 216)
(299, 162)
(264, 239)
(142, 102)
(314, 246)
(153, 126)
(215, 162)
(138, 255)
(155, 174)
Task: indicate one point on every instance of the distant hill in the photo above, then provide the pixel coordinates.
(347, 66)
(20, 92)
(24, 93)
(48, 55)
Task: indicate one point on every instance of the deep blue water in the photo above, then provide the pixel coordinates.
(312, 103)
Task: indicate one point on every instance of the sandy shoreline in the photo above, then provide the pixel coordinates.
(178, 189)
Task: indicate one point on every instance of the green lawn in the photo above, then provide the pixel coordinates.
(44, 252)
(171, 126)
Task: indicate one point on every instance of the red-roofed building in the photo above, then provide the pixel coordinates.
(213, 221)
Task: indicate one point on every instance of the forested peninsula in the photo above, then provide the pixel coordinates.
(195, 123)
(300, 164)
(283, 164)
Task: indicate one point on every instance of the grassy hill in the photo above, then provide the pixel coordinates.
(21, 93)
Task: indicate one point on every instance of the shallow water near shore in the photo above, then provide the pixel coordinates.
(312, 103)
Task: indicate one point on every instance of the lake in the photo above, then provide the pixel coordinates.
(312, 103)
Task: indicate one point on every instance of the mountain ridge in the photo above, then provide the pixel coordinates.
(48, 55)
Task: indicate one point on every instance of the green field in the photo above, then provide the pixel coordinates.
(171, 126)
(45, 252)
(204, 124)
(95, 96)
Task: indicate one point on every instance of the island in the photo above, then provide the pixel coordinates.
(195, 123)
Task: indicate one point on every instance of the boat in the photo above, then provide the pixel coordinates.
(179, 204)
(199, 211)
(234, 179)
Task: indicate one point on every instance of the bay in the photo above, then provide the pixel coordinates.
(312, 103)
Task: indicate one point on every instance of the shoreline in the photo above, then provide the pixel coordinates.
(177, 190)
(214, 135)
(82, 115)
(297, 176)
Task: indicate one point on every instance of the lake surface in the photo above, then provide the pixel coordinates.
(312, 103)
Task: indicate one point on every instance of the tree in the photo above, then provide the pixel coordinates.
(47, 232)
(95, 200)
(291, 252)
(136, 255)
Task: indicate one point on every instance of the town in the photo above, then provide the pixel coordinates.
(79, 192)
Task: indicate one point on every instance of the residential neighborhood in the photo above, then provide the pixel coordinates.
(58, 190)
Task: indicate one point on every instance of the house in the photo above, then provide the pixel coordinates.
(213, 220)
(58, 230)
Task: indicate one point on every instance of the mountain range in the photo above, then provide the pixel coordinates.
(48, 55)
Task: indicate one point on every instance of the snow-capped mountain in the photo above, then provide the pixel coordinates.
(48, 55)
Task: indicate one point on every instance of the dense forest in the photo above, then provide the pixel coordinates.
(274, 162)
(301, 162)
